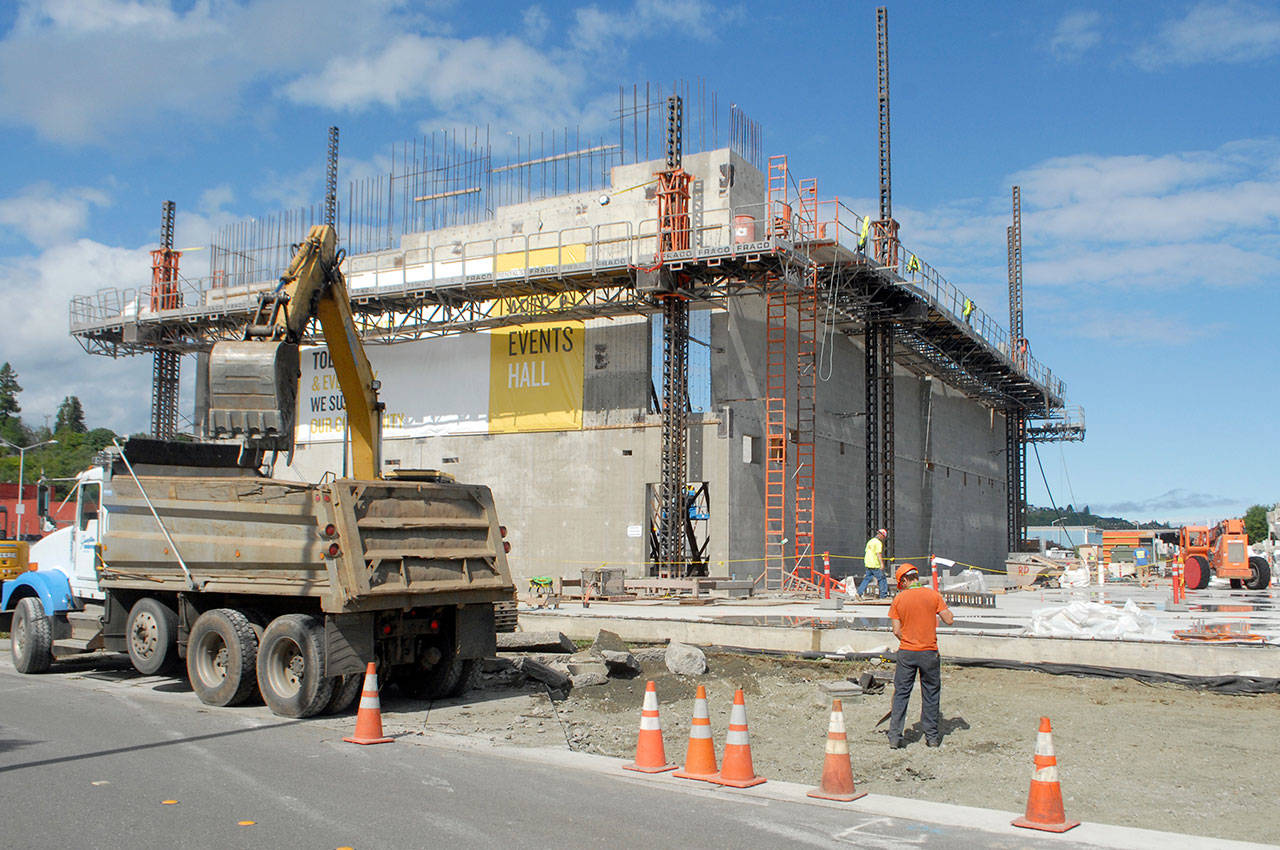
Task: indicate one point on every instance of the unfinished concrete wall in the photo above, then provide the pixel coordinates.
(574, 499)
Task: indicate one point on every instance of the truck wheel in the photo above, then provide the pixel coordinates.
(151, 636)
(32, 640)
(289, 666)
(222, 656)
(1260, 576)
(345, 690)
(1196, 572)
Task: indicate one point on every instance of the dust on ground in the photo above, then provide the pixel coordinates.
(1154, 756)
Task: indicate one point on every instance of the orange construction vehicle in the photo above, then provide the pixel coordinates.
(1221, 550)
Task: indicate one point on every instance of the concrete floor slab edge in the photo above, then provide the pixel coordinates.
(1260, 661)
(945, 814)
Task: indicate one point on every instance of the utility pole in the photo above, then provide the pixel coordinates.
(22, 462)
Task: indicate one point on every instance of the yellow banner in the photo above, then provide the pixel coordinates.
(535, 377)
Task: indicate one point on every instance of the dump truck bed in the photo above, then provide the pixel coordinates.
(394, 543)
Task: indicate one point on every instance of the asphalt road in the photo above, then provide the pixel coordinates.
(89, 755)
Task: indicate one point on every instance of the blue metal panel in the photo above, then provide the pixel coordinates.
(51, 586)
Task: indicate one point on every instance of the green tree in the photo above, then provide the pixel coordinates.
(1255, 523)
(70, 416)
(9, 389)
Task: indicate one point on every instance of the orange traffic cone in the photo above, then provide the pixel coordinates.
(737, 770)
(837, 769)
(700, 761)
(651, 757)
(1044, 804)
(369, 717)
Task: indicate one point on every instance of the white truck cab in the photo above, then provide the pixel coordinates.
(72, 550)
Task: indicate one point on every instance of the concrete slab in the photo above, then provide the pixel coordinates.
(1000, 633)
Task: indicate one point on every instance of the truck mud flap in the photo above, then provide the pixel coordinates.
(348, 643)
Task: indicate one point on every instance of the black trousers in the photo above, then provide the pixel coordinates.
(928, 666)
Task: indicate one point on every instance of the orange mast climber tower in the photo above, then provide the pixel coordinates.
(166, 366)
(674, 235)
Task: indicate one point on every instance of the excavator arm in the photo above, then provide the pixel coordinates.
(253, 382)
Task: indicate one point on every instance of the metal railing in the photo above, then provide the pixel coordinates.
(575, 250)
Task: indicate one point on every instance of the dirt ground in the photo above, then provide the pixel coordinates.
(1156, 756)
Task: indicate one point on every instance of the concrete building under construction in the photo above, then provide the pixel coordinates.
(588, 321)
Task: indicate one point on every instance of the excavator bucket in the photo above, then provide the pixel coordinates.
(253, 389)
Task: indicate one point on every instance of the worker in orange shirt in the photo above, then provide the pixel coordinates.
(914, 616)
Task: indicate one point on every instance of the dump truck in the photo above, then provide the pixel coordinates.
(191, 552)
(1221, 550)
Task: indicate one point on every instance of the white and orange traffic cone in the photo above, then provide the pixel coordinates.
(1044, 803)
(736, 770)
(837, 768)
(369, 717)
(700, 760)
(651, 756)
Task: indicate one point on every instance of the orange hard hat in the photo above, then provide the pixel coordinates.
(904, 571)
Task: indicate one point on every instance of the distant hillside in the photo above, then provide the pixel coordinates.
(1070, 516)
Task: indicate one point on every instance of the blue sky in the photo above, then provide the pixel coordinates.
(1144, 136)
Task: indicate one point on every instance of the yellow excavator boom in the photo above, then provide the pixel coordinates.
(253, 382)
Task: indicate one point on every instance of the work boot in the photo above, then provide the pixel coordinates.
(937, 742)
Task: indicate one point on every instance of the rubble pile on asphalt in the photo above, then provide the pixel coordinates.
(555, 661)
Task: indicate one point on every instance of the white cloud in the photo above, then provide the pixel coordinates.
(468, 78)
(44, 215)
(1076, 34)
(1230, 31)
(1180, 501)
(83, 71)
(1136, 327)
(1188, 218)
(598, 30)
(37, 289)
(536, 23)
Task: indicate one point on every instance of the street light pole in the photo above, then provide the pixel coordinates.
(22, 461)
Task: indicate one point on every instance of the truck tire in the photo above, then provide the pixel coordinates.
(31, 642)
(345, 690)
(290, 662)
(222, 657)
(1261, 573)
(1196, 572)
(151, 636)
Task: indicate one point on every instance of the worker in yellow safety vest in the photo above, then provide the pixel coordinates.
(873, 560)
(866, 230)
(968, 309)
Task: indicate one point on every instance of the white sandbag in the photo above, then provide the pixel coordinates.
(1074, 577)
(968, 581)
(1092, 619)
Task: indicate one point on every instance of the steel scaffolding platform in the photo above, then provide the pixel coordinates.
(972, 354)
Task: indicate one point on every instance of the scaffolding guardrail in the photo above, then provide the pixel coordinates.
(594, 249)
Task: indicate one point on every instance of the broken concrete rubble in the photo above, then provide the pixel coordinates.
(552, 678)
(685, 660)
(621, 663)
(609, 641)
(546, 641)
